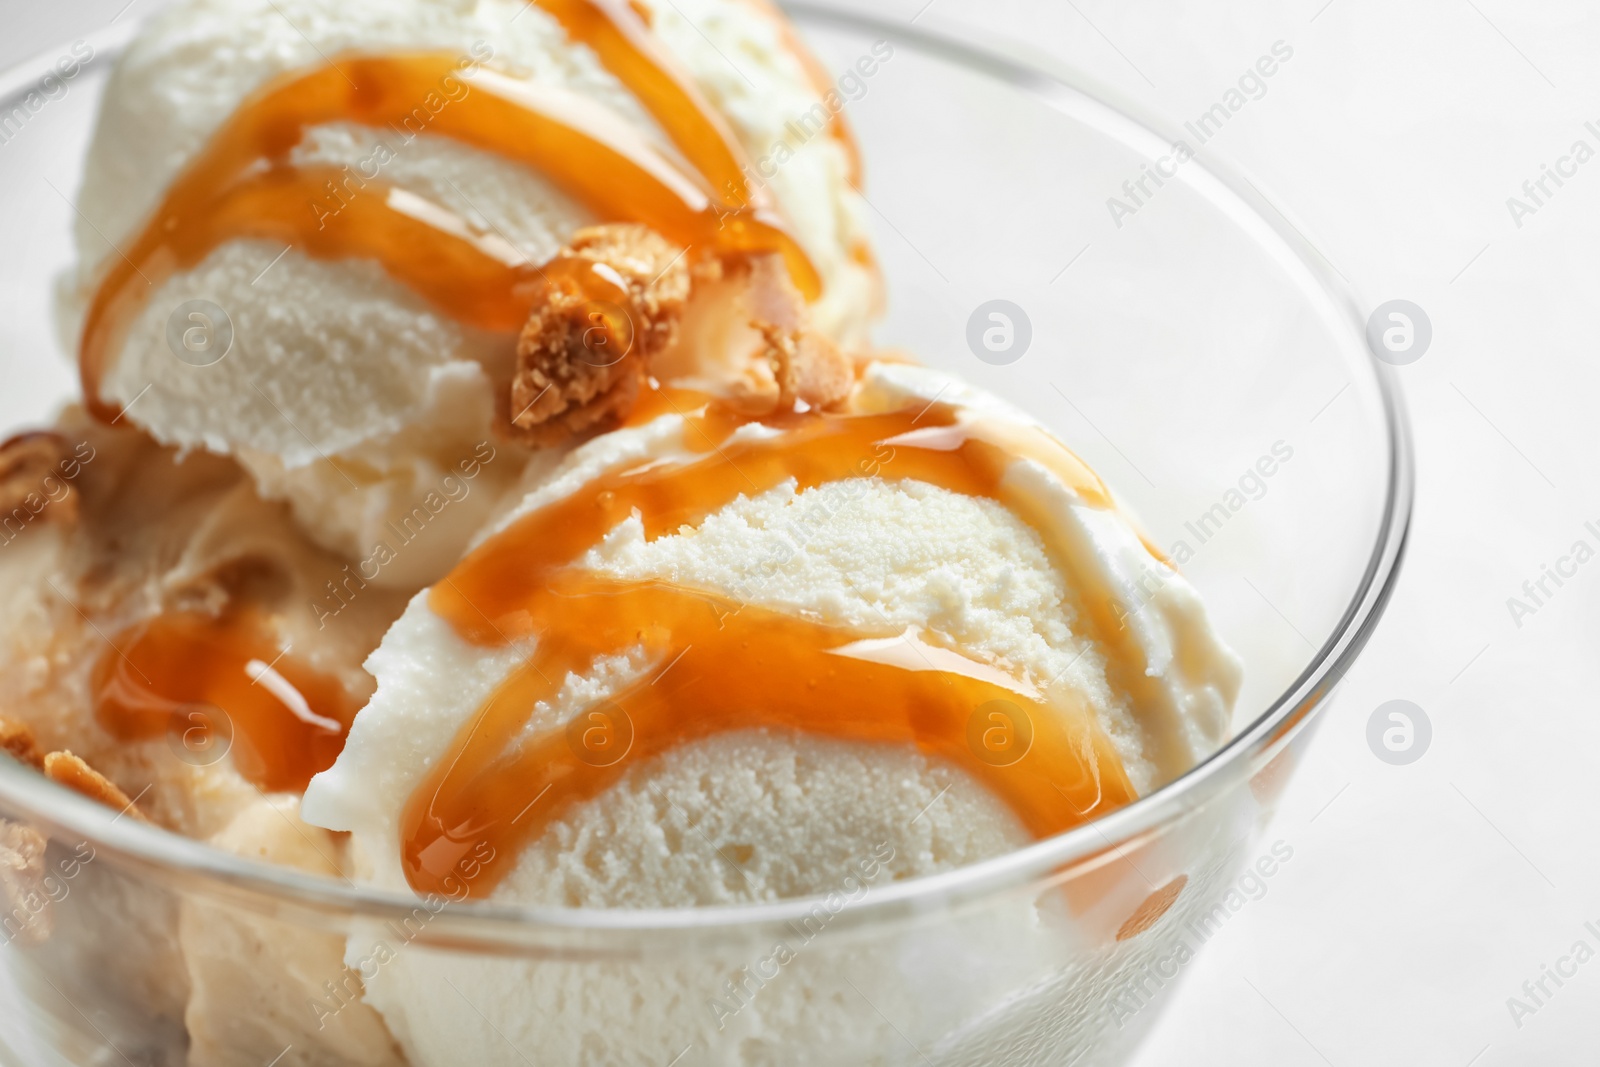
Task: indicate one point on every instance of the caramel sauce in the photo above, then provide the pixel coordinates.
(618, 31)
(222, 686)
(241, 184)
(620, 36)
(717, 663)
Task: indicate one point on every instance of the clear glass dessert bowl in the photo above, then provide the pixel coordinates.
(1039, 239)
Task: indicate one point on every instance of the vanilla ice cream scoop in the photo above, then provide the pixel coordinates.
(307, 229)
(713, 660)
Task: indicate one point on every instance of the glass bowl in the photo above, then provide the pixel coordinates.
(1176, 329)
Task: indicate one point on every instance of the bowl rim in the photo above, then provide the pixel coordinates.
(257, 883)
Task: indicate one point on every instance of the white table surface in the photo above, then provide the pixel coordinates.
(1419, 898)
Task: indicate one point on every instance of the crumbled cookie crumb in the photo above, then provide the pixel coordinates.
(615, 298)
(612, 300)
(804, 366)
(17, 741)
(72, 772)
(808, 367)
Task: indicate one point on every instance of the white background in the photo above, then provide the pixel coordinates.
(1418, 898)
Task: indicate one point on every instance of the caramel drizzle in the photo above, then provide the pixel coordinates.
(222, 687)
(619, 33)
(583, 148)
(622, 40)
(717, 663)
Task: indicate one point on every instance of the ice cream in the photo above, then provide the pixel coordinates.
(830, 585)
(349, 390)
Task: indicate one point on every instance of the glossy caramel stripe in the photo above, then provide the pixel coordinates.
(172, 675)
(625, 45)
